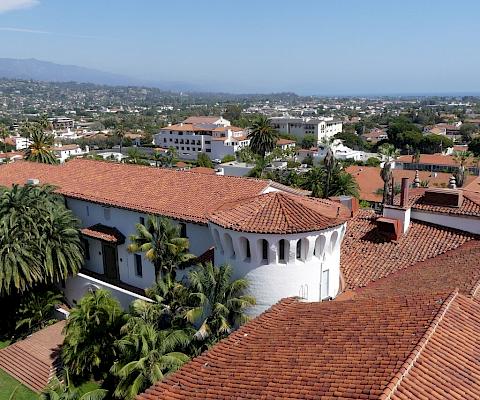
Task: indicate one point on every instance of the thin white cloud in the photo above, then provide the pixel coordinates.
(40, 32)
(8, 29)
(10, 5)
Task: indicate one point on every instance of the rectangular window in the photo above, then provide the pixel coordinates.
(106, 213)
(183, 230)
(208, 150)
(86, 249)
(281, 255)
(325, 284)
(138, 265)
(142, 220)
(88, 211)
(299, 249)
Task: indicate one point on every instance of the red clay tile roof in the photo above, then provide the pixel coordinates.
(369, 180)
(470, 205)
(435, 159)
(283, 141)
(105, 233)
(447, 367)
(278, 212)
(34, 360)
(367, 256)
(180, 195)
(201, 120)
(295, 350)
(203, 170)
(473, 186)
(454, 269)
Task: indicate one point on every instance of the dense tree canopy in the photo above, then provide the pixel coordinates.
(39, 238)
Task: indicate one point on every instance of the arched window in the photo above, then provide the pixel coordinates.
(229, 249)
(282, 251)
(299, 250)
(333, 241)
(264, 244)
(319, 246)
(245, 249)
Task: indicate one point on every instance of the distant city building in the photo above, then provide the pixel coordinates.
(213, 136)
(61, 123)
(320, 127)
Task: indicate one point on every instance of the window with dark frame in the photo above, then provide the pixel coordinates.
(183, 230)
(264, 249)
(86, 249)
(138, 265)
(281, 251)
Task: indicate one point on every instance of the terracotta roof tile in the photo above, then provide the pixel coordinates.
(435, 159)
(295, 350)
(366, 255)
(105, 233)
(279, 212)
(161, 191)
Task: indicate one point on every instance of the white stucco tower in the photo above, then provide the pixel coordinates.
(285, 245)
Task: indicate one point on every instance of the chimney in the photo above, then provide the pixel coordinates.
(348, 201)
(404, 193)
(402, 212)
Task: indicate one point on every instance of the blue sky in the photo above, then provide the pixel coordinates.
(306, 46)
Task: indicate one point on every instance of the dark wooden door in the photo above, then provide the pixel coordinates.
(110, 266)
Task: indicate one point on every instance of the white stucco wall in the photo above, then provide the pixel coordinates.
(273, 279)
(401, 214)
(125, 221)
(463, 223)
(76, 287)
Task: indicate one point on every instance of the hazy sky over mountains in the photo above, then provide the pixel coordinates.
(306, 46)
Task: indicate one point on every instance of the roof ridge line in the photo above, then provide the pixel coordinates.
(417, 350)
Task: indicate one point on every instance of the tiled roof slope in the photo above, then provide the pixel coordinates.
(458, 268)
(295, 350)
(448, 366)
(185, 196)
(34, 360)
(278, 212)
(105, 233)
(367, 256)
(470, 205)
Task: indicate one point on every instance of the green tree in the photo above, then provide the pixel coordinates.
(228, 158)
(308, 141)
(90, 333)
(389, 153)
(39, 238)
(461, 158)
(203, 160)
(40, 149)
(4, 134)
(344, 184)
(314, 181)
(146, 353)
(220, 303)
(474, 146)
(467, 131)
(120, 132)
(135, 156)
(162, 245)
(372, 162)
(65, 390)
(263, 137)
(329, 164)
(36, 310)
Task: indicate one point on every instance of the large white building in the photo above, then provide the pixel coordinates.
(213, 136)
(320, 127)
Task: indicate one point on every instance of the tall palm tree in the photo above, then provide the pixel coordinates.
(329, 164)
(90, 332)
(146, 353)
(314, 181)
(461, 158)
(160, 240)
(40, 149)
(263, 137)
(44, 123)
(389, 153)
(220, 303)
(120, 132)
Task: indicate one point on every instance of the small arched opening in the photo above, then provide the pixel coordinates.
(319, 246)
(245, 249)
(283, 250)
(229, 249)
(218, 242)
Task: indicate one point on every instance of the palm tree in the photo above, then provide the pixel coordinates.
(390, 153)
(39, 238)
(40, 149)
(160, 240)
(44, 123)
(314, 181)
(4, 134)
(263, 137)
(344, 184)
(461, 158)
(220, 303)
(146, 353)
(37, 309)
(90, 333)
(136, 157)
(64, 390)
(120, 133)
(329, 164)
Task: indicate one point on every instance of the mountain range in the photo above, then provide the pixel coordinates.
(38, 70)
